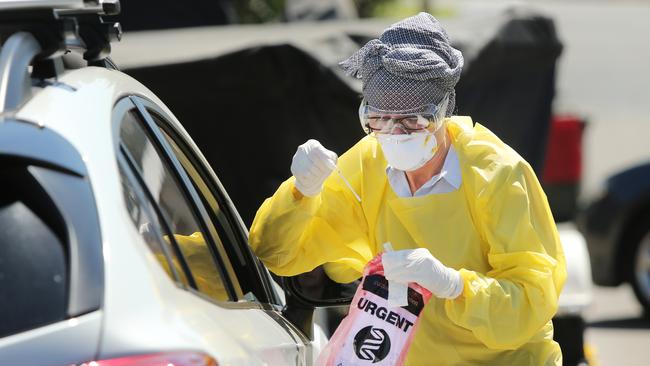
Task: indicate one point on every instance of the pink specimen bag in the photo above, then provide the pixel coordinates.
(373, 332)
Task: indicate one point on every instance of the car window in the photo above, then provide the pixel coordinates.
(226, 235)
(175, 209)
(51, 263)
(150, 227)
(32, 256)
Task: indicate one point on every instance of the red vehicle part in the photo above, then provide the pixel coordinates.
(159, 359)
(564, 153)
(562, 171)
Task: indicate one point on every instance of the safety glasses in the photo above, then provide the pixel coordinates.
(427, 118)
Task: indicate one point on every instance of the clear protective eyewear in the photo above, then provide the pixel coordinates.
(427, 118)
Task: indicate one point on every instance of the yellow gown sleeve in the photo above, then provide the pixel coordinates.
(508, 305)
(199, 258)
(293, 234)
(196, 253)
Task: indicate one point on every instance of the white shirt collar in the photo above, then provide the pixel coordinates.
(449, 179)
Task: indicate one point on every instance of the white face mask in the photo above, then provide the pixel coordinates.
(408, 152)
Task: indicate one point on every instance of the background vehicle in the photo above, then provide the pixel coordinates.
(99, 178)
(617, 228)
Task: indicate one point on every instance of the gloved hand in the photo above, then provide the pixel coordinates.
(311, 165)
(421, 267)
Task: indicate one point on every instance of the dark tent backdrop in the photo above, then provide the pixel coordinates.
(155, 14)
(249, 110)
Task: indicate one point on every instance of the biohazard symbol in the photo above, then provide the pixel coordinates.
(371, 344)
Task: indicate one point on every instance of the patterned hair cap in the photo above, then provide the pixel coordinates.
(411, 64)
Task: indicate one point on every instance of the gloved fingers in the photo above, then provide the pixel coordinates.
(405, 256)
(312, 147)
(302, 164)
(421, 267)
(324, 158)
(312, 143)
(320, 166)
(332, 156)
(317, 155)
(312, 178)
(307, 177)
(401, 277)
(417, 256)
(417, 253)
(311, 165)
(407, 265)
(309, 145)
(394, 265)
(391, 259)
(327, 156)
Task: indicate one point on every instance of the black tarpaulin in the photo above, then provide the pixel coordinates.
(248, 111)
(166, 14)
(509, 87)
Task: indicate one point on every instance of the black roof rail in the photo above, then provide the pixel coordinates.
(39, 32)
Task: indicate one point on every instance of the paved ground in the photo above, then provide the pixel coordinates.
(617, 332)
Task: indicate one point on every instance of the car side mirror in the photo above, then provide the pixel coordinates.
(316, 289)
(307, 291)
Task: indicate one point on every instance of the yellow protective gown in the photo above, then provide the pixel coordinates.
(199, 259)
(496, 229)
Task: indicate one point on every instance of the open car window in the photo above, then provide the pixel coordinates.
(185, 231)
(225, 231)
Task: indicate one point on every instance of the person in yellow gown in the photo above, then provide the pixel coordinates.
(464, 212)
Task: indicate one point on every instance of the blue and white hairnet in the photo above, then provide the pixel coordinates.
(412, 64)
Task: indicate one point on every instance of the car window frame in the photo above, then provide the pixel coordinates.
(132, 103)
(239, 242)
(148, 205)
(192, 196)
(226, 225)
(128, 165)
(139, 184)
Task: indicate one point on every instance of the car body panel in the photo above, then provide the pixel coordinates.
(602, 226)
(144, 311)
(50, 345)
(45, 147)
(577, 292)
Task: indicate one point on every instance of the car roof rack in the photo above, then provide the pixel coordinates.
(40, 32)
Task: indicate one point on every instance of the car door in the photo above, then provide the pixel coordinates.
(208, 253)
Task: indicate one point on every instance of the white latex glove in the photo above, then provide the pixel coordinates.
(421, 267)
(311, 165)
